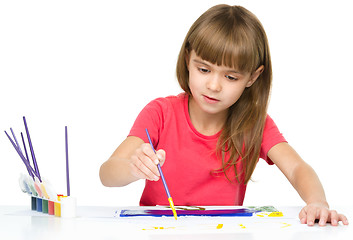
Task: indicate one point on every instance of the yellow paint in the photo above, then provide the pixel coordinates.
(57, 209)
(173, 208)
(219, 226)
(44, 191)
(156, 228)
(276, 214)
(242, 226)
(57, 206)
(61, 197)
(286, 225)
(272, 214)
(262, 214)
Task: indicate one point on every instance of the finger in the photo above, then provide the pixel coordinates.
(144, 167)
(324, 214)
(334, 218)
(303, 215)
(152, 169)
(145, 171)
(311, 216)
(135, 170)
(152, 160)
(343, 218)
(161, 156)
(147, 150)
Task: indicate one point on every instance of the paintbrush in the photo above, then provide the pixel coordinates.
(30, 170)
(163, 179)
(67, 164)
(32, 152)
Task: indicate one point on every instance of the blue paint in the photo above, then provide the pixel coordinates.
(39, 205)
(33, 203)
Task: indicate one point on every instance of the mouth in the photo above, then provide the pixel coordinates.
(210, 99)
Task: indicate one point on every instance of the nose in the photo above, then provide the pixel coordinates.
(214, 83)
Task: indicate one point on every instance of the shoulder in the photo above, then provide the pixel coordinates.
(163, 108)
(172, 99)
(166, 103)
(157, 115)
(270, 125)
(271, 137)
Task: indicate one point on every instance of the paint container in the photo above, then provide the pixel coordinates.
(37, 187)
(30, 184)
(57, 205)
(34, 203)
(33, 190)
(39, 205)
(44, 191)
(57, 209)
(23, 184)
(51, 210)
(68, 207)
(44, 205)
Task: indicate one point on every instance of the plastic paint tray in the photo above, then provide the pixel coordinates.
(241, 212)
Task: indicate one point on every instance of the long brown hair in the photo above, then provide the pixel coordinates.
(232, 36)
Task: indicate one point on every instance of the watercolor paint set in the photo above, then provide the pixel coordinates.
(241, 212)
(43, 196)
(204, 211)
(63, 206)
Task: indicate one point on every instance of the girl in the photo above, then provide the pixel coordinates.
(215, 132)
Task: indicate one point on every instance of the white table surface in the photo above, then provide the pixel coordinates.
(19, 222)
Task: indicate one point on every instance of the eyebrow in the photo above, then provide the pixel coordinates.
(205, 63)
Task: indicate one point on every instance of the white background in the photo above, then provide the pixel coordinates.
(93, 65)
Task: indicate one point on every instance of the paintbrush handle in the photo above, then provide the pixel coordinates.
(159, 166)
(29, 168)
(163, 180)
(32, 151)
(67, 164)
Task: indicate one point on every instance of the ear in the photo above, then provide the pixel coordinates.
(254, 76)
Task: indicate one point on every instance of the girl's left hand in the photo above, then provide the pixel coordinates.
(320, 212)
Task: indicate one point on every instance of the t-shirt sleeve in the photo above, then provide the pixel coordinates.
(152, 118)
(271, 137)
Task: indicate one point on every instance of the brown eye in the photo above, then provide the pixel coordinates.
(231, 78)
(203, 70)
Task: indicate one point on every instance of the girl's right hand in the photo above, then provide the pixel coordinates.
(144, 162)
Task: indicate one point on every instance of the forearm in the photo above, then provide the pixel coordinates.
(298, 172)
(116, 173)
(307, 183)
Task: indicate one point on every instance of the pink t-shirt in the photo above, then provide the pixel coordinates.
(190, 156)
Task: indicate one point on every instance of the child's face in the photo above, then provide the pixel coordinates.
(216, 88)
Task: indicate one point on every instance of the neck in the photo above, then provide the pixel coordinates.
(206, 123)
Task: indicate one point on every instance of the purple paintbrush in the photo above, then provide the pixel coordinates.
(163, 179)
(29, 168)
(32, 152)
(14, 136)
(67, 164)
(24, 147)
(19, 147)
